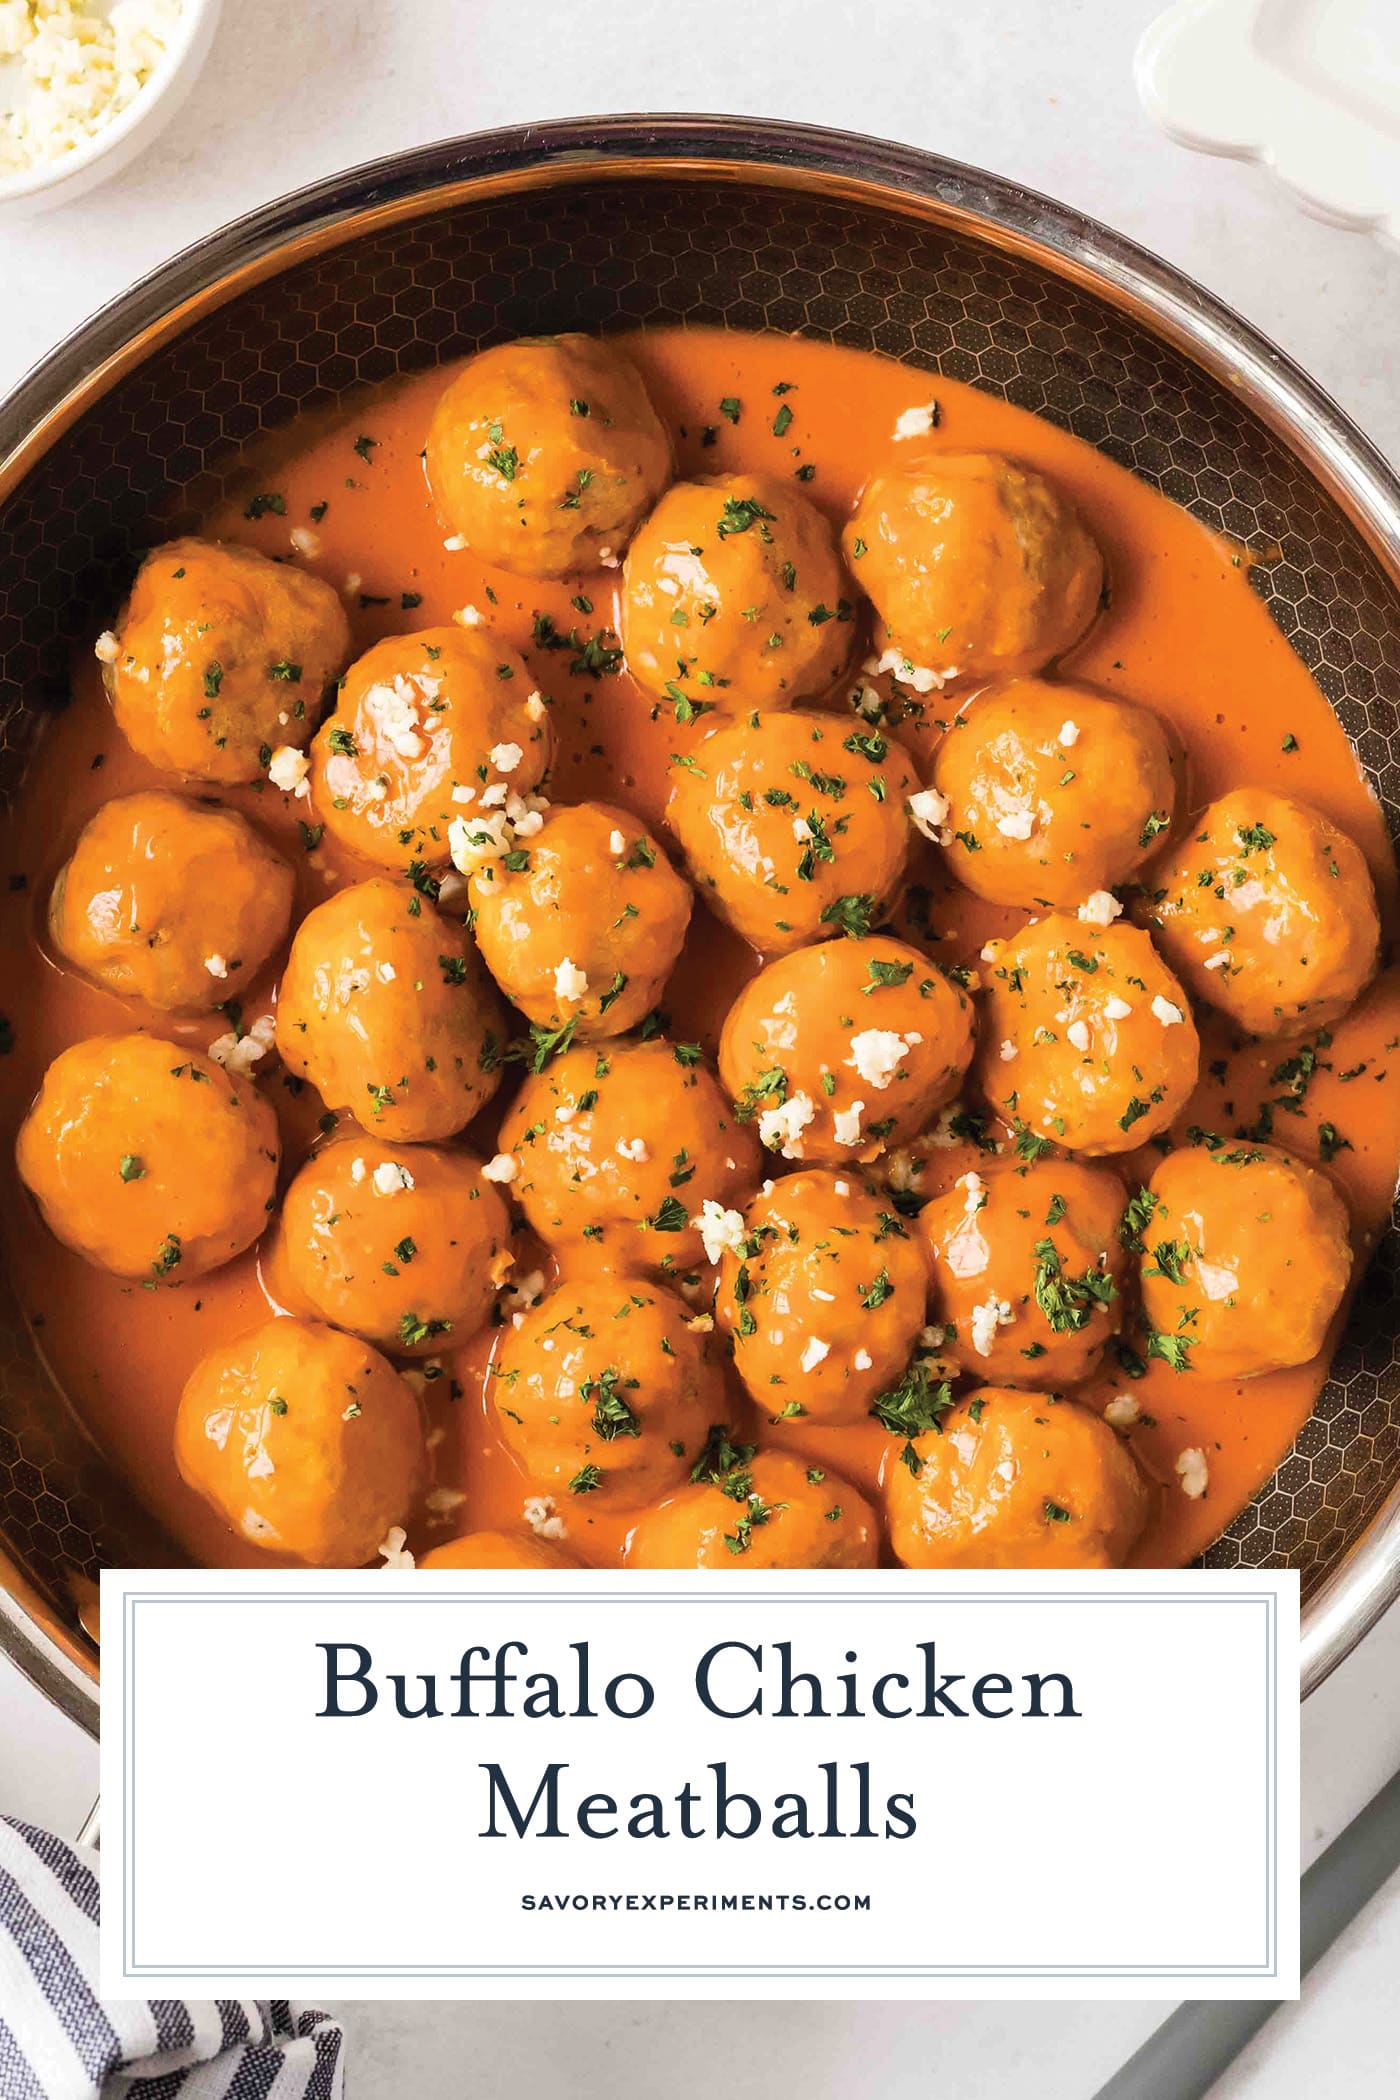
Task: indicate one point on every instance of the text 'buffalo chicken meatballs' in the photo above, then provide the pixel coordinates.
(1053, 792)
(605, 1388)
(1087, 1039)
(1026, 1267)
(822, 1291)
(429, 731)
(794, 827)
(734, 596)
(544, 455)
(1014, 1480)
(148, 1159)
(1247, 1255)
(978, 567)
(581, 927)
(838, 1051)
(306, 1441)
(404, 1245)
(221, 658)
(1268, 912)
(386, 1009)
(756, 1509)
(616, 1149)
(174, 902)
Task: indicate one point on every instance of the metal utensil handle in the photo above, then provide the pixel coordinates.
(1188, 2052)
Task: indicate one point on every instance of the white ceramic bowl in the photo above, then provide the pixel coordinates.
(39, 189)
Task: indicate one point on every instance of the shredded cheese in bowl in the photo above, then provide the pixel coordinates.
(68, 68)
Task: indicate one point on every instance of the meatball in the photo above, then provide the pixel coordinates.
(1015, 1480)
(305, 1440)
(1247, 1257)
(220, 658)
(605, 1389)
(385, 1008)
(544, 455)
(1027, 1265)
(822, 1288)
(581, 929)
(1269, 913)
(171, 902)
(404, 1245)
(748, 1509)
(1087, 1038)
(148, 1159)
(977, 565)
(499, 1549)
(842, 1050)
(619, 1149)
(733, 593)
(791, 830)
(1053, 792)
(428, 729)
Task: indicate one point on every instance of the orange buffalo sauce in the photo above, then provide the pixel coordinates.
(1184, 633)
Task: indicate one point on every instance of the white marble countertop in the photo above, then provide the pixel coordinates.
(1037, 89)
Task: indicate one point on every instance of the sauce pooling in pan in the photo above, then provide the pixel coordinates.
(745, 773)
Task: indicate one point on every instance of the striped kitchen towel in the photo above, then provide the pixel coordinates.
(59, 2042)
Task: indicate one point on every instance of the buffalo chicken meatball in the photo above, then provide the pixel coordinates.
(605, 1389)
(221, 659)
(544, 454)
(734, 594)
(822, 1288)
(171, 902)
(1014, 1480)
(305, 1440)
(1268, 912)
(978, 567)
(793, 830)
(429, 730)
(404, 1245)
(499, 1549)
(1087, 1038)
(148, 1159)
(385, 1008)
(621, 1148)
(1026, 1267)
(839, 1051)
(583, 925)
(1247, 1257)
(1054, 792)
(746, 1509)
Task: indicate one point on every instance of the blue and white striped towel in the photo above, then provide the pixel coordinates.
(59, 2042)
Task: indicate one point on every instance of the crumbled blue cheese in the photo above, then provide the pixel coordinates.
(1100, 908)
(1193, 1472)
(928, 812)
(542, 1516)
(287, 769)
(986, 1319)
(238, 1054)
(877, 1053)
(570, 983)
(719, 1229)
(780, 1127)
(78, 70)
(390, 1179)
